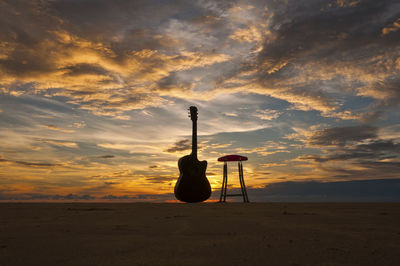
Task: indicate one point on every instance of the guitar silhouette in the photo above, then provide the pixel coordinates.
(192, 184)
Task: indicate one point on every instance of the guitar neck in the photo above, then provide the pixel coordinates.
(194, 138)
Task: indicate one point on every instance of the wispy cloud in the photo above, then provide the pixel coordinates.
(267, 114)
(62, 143)
(53, 127)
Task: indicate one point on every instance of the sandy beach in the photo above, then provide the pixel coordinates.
(199, 234)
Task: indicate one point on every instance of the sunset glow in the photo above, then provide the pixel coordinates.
(94, 94)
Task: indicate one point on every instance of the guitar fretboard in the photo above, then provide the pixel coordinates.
(194, 138)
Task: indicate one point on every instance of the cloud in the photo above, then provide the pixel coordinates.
(181, 145)
(267, 165)
(340, 136)
(310, 56)
(61, 143)
(53, 127)
(172, 82)
(251, 34)
(36, 164)
(107, 74)
(132, 148)
(313, 191)
(160, 179)
(366, 153)
(81, 124)
(353, 152)
(267, 114)
(84, 69)
(30, 164)
(230, 114)
(347, 3)
(106, 156)
(395, 26)
(302, 57)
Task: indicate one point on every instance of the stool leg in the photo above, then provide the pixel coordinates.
(244, 186)
(223, 183)
(240, 179)
(226, 179)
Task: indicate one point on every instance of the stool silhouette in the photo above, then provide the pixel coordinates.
(233, 158)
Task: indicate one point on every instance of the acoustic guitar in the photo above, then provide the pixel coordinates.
(192, 184)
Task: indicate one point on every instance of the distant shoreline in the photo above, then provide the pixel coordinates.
(373, 190)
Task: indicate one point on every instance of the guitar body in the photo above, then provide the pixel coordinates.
(192, 185)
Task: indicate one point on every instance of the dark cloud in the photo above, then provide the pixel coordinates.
(379, 146)
(24, 62)
(371, 117)
(391, 88)
(160, 179)
(375, 158)
(381, 168)
(341, 135)
(357, 152)
(360, 190)
(25, 25)
(181, 145)
(319, 30)
(376, 149)
(112, 197)
(110, 183)
(34, 164)
(172, 82)
(84, 69)
(102, 20)
(106, 156)
(143, 38)
(74, 197)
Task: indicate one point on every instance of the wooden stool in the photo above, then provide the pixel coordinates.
(233, 158)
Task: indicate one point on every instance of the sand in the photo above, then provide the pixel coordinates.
(199, 234)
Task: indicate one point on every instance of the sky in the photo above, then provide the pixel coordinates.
(94, 94)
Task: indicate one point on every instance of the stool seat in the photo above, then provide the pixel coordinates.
(232, 158)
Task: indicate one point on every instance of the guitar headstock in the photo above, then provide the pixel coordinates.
(193, 113)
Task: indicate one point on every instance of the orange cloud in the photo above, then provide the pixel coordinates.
(53, 127)
(250, 34)
(395, 26)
